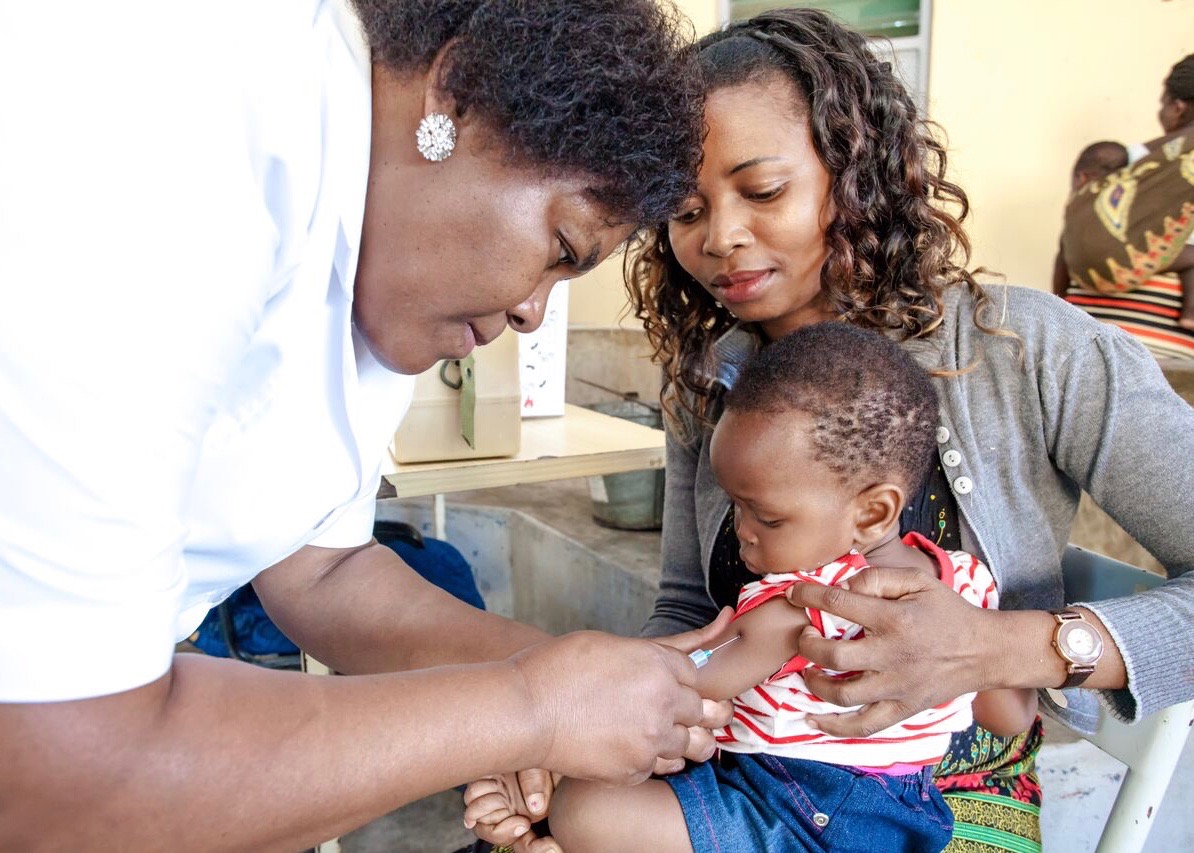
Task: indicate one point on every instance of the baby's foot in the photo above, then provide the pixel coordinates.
(1186, 323)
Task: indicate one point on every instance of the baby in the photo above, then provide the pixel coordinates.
(1097, 161)
(825, 434)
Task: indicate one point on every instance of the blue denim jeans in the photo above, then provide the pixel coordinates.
(740, 803)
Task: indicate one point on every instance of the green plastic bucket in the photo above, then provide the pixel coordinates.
(632, 500)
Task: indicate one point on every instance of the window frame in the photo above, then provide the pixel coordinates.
(919, 43)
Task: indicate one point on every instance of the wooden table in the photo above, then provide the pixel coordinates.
(581, 443)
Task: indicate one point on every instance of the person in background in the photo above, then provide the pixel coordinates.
(1177, 105)
(229, 235)
(825, 433)
(1147, 290)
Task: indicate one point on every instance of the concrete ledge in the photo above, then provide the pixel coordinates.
(540, 558)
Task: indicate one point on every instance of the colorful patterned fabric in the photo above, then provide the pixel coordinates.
(1149, 313)
(1124, 229)
(771, 717)
(991, 786)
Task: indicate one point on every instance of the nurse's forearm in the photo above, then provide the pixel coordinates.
(223, 756)
(364, 611)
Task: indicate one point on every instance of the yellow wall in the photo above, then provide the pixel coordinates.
(1020, 86)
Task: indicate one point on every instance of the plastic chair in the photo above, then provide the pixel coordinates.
(1150, 748)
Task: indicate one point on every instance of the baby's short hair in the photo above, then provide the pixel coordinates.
(873, 408)
(1100, 159)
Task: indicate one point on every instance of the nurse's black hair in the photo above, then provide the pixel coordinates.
(872, 408)
(603, 87)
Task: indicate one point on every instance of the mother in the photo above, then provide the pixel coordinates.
(222, 239)
(822, 196)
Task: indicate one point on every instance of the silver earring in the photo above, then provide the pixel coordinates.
(436, 137)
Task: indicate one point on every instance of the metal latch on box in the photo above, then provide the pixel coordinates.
(466, 383)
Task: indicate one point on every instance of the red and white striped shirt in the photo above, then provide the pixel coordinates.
(770, 717)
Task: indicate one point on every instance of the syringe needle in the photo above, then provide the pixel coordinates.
(701, 656)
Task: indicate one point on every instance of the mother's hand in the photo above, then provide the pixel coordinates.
(923, 645)
(701, 744)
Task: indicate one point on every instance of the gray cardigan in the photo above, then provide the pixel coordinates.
(1079, 405)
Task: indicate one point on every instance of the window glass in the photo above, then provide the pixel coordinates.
(874, 18)
(898, 31)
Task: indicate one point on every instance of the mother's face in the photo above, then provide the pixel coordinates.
(754, 234)
(453, 252)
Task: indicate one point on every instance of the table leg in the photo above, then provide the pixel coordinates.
(441, 517)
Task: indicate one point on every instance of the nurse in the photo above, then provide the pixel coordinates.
(229, 235)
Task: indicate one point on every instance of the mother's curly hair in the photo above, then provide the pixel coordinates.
(893, 247)
(605, 87)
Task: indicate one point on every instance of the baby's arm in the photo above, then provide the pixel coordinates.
(1005, 712)
(767, 639)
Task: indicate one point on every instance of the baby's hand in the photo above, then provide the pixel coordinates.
(497, 810)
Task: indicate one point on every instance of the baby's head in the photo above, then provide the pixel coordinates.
(1097, 161)
(824, 435)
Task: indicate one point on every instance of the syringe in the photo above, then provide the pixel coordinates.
(701, 656)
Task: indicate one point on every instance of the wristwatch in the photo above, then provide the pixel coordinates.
(1078, 643)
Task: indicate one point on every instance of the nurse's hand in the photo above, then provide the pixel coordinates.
(609, 707)
(903, 663)
(701, 744)
(502, 809)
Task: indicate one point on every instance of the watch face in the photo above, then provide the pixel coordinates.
(1079, 642)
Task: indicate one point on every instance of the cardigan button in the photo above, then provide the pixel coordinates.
(942, 435)
(951, 458)
(963, 485)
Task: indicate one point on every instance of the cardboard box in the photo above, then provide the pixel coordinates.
(431, 430)
(542, 359)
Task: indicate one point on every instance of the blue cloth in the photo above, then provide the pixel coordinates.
(437, 561)
(441, 564)
(255, 633)
(744, 803)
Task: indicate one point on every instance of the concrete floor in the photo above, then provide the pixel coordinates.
(1080, 784)
(432, 825)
